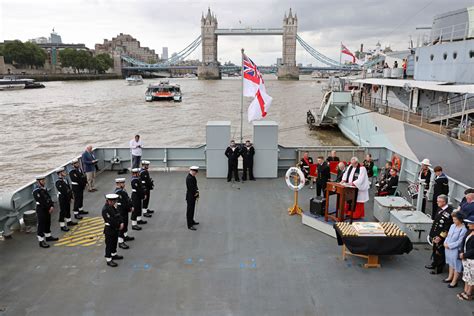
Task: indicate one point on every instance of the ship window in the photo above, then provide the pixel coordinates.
(445, 55)
(455, 55)
(431, 57)
(375, 128)
(471, 53)
(417, 58)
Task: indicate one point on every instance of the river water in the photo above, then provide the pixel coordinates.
(44, 128)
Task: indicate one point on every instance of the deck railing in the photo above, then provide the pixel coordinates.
(13, 205)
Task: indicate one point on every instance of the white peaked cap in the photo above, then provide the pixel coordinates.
(136, 170)
(111, 196)
(194, 168)
(145, 162)
(120, 180)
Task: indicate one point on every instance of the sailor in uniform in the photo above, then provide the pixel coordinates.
(247, 154)
(232, 153)
(44, 208)
(192, 195)
(324, 175)
(124, 206)
(78, 182)
(441, 186)
(148, 185)
(425, 176)
(138, 194)
(438, 233)
(356, 175)
(64, 200)
(113, 224)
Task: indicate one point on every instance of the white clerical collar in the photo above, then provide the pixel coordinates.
(444, 207)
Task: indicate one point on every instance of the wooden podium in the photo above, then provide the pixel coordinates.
(345, 194)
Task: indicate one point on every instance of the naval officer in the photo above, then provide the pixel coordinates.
(78, 182)
(247, 154)
(192, 195)
(138, 194)
(148, 185)
(113, 224)
(64, 200)
(232, 153)
(44, 208)
(124, 206)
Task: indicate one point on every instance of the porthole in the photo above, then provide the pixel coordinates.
(431, 57)
(375, 128)
(445, 56)
(455, 55)
(471, 53)
(417, 58)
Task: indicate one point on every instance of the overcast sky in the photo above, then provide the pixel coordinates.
(176, 23)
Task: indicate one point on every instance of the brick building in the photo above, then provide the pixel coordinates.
(127, 45)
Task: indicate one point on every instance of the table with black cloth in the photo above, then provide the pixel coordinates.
(370, 247)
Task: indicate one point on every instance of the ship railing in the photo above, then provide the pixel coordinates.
(451, 107)
(450, 33)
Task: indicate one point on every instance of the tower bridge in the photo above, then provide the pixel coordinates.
(210, 67)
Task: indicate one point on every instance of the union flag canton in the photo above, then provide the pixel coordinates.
(251, 71)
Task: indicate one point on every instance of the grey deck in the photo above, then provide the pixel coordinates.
(248, 257)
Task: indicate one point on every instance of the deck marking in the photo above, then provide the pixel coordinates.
(88, 232)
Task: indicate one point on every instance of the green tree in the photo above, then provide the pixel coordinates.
(23, 54)
(103, 62)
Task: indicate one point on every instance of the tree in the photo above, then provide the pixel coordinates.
(23, 54)
(103, 62)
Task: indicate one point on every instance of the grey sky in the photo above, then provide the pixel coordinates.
(323, 24)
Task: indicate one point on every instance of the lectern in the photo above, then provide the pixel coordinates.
(345, 194)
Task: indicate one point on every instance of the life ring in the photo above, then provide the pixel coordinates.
(290, 173)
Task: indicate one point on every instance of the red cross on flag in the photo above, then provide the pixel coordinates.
(255, 87)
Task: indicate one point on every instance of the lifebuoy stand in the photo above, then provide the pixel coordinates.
(295, 209)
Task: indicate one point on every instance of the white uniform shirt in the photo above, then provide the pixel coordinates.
(136, 151)
(362, 183)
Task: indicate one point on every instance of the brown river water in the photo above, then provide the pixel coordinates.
(44, 128)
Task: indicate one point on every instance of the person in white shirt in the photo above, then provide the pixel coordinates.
(356, 175)
(136, 146)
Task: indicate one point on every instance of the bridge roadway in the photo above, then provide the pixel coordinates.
(248, 257)
(264, 69)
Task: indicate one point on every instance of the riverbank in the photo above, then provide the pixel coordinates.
(68, 77)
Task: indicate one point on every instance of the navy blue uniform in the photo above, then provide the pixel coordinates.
(64, 199)
(112, 220)
(192, 193)
(43, 205)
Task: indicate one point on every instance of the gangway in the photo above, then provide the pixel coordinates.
(329, 109)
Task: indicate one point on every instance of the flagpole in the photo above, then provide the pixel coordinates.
(242, 98)
(340, 57)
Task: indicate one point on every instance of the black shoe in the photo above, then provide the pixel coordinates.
(253, 179)
(111, 263)
(243, 180)
(196, 223)
(43, 244)
(436, 271)
(429, 266)
(136, 227)
(192, 228)
(71, 223)
(141, 222)
(228, 180)
(64, 229)
(129, 238)
(237, 180)
(77, 216)
(150, 211)
(452, 286)
(146, 215)
(83, 212)
(447, 281)
(117, 257)
(123, 245)
(51, 238)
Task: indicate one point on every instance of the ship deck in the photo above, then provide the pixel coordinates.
(248, 257)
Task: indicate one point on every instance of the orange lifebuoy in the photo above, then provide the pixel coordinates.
(396, 162)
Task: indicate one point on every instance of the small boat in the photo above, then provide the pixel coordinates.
(14, 83)
(163, 91)
(134, 80)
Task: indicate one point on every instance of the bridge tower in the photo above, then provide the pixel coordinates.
(289, 70)
(210, 67)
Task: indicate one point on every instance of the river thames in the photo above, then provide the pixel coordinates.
(45, 128)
